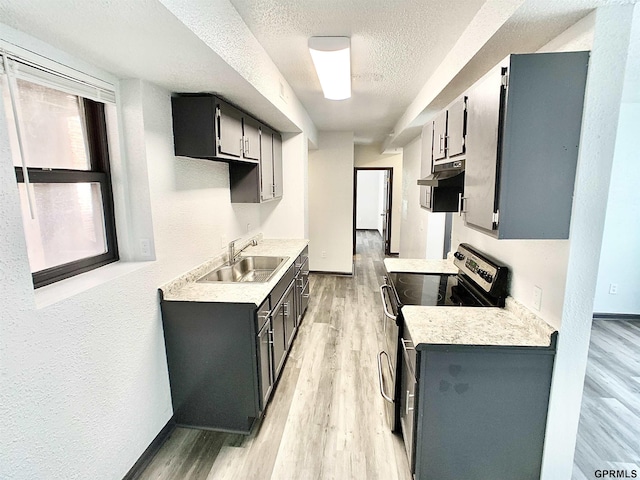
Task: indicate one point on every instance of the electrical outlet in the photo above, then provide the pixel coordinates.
(223, 241)
(613, 289)
(248, 227)
(324, 254)
(537, 297)
(145, 247)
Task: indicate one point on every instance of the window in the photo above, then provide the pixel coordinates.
(60, 153)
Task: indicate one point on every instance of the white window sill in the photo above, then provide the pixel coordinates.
(70, 287)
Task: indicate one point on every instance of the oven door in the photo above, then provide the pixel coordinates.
(388, 356)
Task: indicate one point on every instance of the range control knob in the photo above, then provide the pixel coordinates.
(488, 278)
(459, 256)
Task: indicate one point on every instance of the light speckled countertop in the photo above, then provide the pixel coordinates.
(419, 265)
(512, 326)
(185, 288)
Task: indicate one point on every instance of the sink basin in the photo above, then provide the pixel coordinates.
(246, 269)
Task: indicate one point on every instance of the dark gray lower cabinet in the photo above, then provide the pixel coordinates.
(213, 364)
(224, 359)
(265, 352)
(477, 412)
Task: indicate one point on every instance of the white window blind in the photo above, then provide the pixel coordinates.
(24, 69)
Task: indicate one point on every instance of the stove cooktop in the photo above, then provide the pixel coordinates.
(424, 289)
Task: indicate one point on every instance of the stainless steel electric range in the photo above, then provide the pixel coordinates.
(480, 282)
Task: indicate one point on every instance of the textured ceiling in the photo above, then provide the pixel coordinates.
(396, 45)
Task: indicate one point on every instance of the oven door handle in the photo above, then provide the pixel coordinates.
(382, 392)
(384, 303)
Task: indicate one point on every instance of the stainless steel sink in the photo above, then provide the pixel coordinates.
(246, 269)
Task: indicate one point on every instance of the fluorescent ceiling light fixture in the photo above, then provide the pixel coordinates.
(332, 59)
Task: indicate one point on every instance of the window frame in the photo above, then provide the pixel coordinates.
(100, 172)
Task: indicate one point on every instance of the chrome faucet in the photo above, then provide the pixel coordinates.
(233, 254)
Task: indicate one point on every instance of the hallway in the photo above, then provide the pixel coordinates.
(326, 417)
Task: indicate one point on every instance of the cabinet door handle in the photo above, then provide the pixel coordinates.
(384, 303)
(441, 138)
(241, 146)
(407, 408)
(306, 295)
(461, 204)
(382, 392)
(286, 309)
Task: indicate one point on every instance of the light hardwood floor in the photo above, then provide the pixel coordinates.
(609, 429)
(326, 417)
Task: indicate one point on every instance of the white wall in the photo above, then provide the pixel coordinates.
(370, 156)
(620, 256)
(368, 199)
(613, 26)
(83, 370)
(422, 232)
(331, 203)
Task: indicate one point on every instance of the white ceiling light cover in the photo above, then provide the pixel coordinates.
(332, 58)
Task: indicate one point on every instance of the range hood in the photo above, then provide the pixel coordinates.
(448, 174)
(441, 179)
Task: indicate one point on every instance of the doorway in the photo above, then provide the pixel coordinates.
(372, 194)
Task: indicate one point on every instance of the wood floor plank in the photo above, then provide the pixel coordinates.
(609, 429)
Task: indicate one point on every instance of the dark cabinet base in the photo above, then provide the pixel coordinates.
(211, 356)
(482, 412)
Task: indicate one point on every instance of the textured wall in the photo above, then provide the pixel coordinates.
(622, 228)
(370, 156)
(601, 112)
(331, 203)
(83, 377)
(422, 234)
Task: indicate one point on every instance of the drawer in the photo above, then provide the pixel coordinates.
(282, 285)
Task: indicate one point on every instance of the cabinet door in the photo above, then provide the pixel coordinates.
(456, 127)
(277, 165)
(407, 398)
(251, 138)
(289, 315)
(265, 342)
(483, 122)
(426, 150)
(440, 136)
(279, 340)
(229, 138)
(266, 164)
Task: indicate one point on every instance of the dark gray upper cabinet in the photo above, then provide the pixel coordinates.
(251, 138)
(440, 136)
(456, 123)
(277, 165)
(446, 196)
(524, 119)
(206, 127)
(252, 183)
(449, 129)
(266, 165)
(229, 139)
